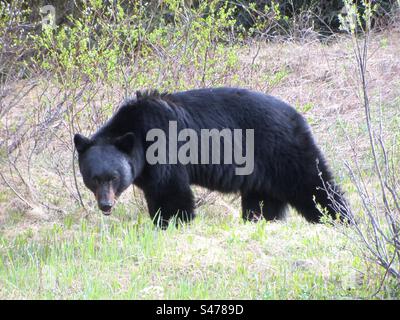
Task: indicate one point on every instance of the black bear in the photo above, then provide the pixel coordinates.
(284, 165)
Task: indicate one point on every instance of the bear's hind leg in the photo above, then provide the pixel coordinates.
(251, 207)
(273, 209)
(255, 205)
(306, 207)
(306, 204)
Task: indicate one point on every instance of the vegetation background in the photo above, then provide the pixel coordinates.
(66, 70)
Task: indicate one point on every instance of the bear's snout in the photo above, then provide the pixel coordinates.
(105, 197)
(106, 207)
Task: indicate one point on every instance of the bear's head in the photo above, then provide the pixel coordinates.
(107, 168)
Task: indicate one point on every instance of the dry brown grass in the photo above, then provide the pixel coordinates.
(325, 75)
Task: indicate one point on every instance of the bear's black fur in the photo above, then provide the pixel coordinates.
(285, 156)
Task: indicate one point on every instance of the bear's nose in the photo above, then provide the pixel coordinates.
(105, 207)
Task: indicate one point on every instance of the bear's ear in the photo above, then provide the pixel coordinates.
(81, 143)
(126, 142)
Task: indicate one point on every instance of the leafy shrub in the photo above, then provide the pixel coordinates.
(108, 44)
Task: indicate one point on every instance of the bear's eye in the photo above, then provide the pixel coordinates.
(114, 178)
(96, 180)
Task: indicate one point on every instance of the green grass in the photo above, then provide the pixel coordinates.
(226, 259)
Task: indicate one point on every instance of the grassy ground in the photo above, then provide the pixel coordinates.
(217, 257)
(72, 253)
(124, 259)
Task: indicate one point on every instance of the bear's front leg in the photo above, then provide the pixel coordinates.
(168, 201)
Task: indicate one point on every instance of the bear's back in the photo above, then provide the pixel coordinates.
(235, 108)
